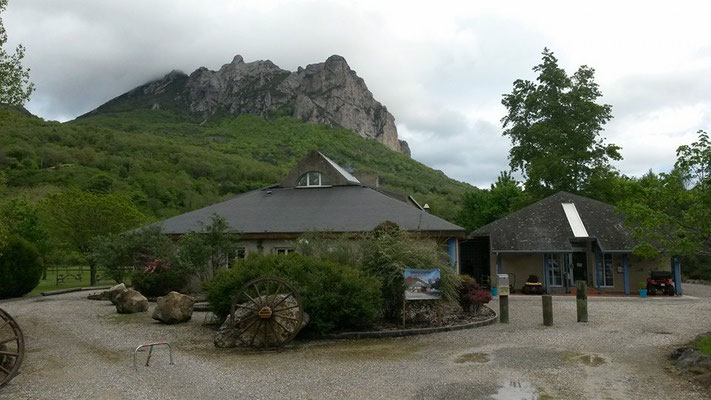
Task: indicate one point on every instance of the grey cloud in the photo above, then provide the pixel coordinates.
(476, 154)
(645, 93)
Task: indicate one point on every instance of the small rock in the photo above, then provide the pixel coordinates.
(131, 301)
(174, 308)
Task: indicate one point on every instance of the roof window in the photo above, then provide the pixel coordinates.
(312, 178)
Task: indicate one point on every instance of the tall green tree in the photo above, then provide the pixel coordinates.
(79, 217)
(671, 212)
(483, 206)
(15, 85)
(555, 124)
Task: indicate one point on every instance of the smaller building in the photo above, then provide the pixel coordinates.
(561, 239)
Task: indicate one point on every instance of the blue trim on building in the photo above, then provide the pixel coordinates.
(677, 276)
(452, 250)
(598, 268)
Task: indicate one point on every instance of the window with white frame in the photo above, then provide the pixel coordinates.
(313, 178)
(283, 250)
(555, 270)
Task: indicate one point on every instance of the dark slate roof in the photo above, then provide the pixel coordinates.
(543, 226)
(349, 208)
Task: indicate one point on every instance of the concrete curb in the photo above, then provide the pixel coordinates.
(412, 332)
(72, 290)
(60, 291)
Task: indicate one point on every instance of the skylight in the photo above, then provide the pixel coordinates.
(576, 223)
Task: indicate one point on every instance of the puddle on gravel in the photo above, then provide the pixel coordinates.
(585, 359)
(510, 389)
(472, 358)
(518, 390)
(376, 349)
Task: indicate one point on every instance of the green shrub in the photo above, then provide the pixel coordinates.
(336, 297)
(20, 267)
(388, 251)
(158, 279)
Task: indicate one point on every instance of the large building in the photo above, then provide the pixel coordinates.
(317, 195)
(561, 239)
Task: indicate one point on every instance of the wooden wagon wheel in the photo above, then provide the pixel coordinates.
(267, 312)
(12, 347)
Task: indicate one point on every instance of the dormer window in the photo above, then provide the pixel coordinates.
(312, 178)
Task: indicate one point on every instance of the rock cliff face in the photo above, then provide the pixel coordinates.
(326, 93)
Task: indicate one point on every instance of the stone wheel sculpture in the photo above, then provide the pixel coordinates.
(12, 347)
(267, 312)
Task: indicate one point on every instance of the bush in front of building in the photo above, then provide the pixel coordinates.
(471, 296)
(389, 250)
(20, 267)
(336, 297)
(158, 278)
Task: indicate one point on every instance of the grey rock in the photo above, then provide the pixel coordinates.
(693, 360)
(326, 93)
(114, 292)
(248, 334)
(130, 302)
(174, 308)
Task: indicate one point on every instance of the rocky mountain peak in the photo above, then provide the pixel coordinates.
(327, 93)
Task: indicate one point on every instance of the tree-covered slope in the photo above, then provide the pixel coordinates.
(170, 167)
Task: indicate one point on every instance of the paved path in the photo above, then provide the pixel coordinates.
(82, 349)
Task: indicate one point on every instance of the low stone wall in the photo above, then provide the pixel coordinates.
(413, 331)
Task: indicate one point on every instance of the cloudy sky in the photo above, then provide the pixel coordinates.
(441, 69)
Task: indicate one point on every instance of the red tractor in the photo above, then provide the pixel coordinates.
(660, 281)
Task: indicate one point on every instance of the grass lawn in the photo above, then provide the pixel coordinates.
(704, 345)
(69, 282)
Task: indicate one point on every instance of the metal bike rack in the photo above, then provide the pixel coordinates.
(150, 352)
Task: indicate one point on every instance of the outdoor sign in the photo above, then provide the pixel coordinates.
(504, 288)
(422, 284)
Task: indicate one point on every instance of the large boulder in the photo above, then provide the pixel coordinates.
(114, 292)
(252, 334)
(174, 308)
(130, 302)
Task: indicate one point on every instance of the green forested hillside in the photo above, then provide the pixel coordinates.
(170, 167)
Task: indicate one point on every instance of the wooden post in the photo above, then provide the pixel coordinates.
(547, 309)
(581, 296)
(504, 309)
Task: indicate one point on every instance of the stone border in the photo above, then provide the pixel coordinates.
(72, 290)
(413, 331)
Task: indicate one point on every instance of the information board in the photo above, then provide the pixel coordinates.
(422, 284)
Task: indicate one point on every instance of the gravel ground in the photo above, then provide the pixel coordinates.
(78, 348)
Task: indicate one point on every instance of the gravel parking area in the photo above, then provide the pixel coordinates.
(78, 348)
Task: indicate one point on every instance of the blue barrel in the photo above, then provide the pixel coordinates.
(494, 291)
